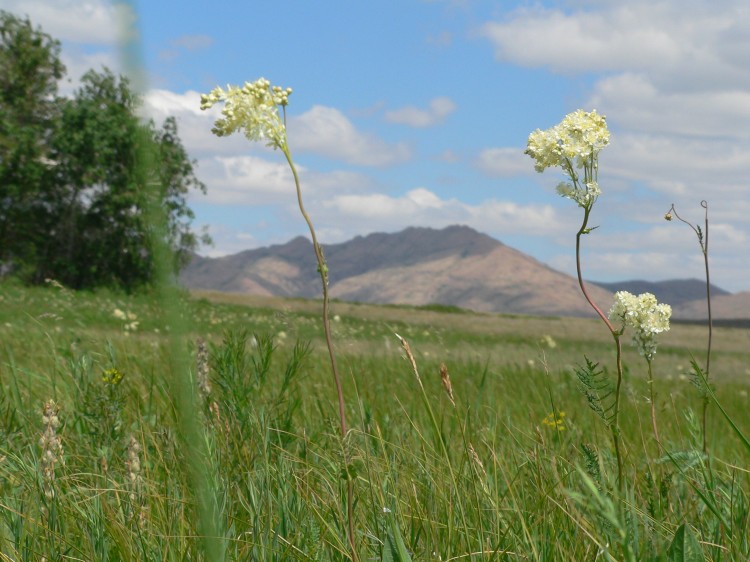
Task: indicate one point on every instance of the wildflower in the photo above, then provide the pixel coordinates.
(119, 314)
(52, 449)
(133, 465)
(201, 361)
(549, 341)
(253, 108)
(571, 145)
(556, 422)
(135, 482)
(645, 316)
(112, 376)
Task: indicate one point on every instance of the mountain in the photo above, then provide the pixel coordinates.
(676, 292)
(454, 266)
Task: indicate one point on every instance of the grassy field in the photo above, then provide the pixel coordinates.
(519, 468)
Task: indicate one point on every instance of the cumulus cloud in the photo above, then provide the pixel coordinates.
(322, 130)
(328, 132)
(627, 265)
(659, 38)
(504, 162)
(98, 22)
(227, 241)
(253, 180)
(422, 207)
(437, 110)
(633, 101)
(679, 166)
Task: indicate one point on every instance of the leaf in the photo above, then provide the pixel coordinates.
(685, 547)
(395, 549)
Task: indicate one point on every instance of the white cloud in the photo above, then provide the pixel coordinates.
(227, 241)
(625, 265)
(421, 207)
(697, 44)
(635, 102)
(327, 132)
(679, 166)
(194, 125)
(436, 112)
(91, 32)
(245, 180)
(253, 181)
(504, 162)
(98, 22)
(77, 63)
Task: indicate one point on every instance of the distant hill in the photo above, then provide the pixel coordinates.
(455, 266)
(676, 292)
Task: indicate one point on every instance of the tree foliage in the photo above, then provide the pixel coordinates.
(74, 206)
(29, 70)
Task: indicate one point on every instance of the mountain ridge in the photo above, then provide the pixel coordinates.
(455, 266)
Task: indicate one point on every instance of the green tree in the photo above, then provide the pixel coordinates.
(73, 205)
(30, 68)
(102, 235)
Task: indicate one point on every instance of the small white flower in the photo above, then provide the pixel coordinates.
(644, 315)
(253, 108)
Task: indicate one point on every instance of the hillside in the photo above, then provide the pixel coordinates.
(454, 266)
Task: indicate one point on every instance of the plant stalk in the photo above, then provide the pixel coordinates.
(615, 426)
(653, 402)
(323, 270)
(703, 242)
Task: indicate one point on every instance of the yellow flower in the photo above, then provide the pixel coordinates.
(555, 422)
(112, 376)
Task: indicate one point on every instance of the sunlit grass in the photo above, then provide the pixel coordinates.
(488, 479)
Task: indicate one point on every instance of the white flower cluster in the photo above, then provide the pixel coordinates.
(645, 316)
(585, 197)
(572, 144)
(253, 108)
(130, 319)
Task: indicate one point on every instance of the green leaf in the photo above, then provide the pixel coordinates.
(395, 549)
(685, 547)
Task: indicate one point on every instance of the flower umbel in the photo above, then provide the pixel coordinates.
(555, 421)
(645, 316)
(112, 376)
(252, 108)
(572, 145)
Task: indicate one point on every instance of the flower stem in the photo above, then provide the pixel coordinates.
(615, 425)
(323, 270)
(703, 242)
(653, 402)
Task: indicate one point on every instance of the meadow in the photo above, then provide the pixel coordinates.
(506, 461)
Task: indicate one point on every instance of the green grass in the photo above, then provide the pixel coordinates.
(487, 479)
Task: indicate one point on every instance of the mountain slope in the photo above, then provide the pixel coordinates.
(454, 266)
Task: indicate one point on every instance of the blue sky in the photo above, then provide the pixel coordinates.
(416, 113)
